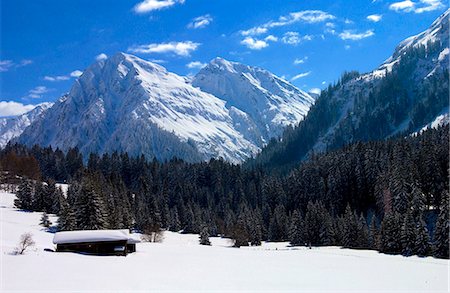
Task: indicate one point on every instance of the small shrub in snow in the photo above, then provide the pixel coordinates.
(153, 236)
(26, 241)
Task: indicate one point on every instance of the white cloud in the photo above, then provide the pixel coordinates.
(101, 56)
(348, 21)
(416, 6)
(301, 75)
(375, 17)
(254, 31)
(271, 38)
(254, 44)
(12, 108)
(151, 5)
(405, 6)
(351, 35)
(56, 78)
(294, 38)
(195, 64)
(5, 65)
(201, 21)
(76, 73)
(307, 16)
(25, 62)
(324, 82)
(159, 61)
(178, 48)
(37, 92)
(300, 61)
(315, 90)
(347, 47)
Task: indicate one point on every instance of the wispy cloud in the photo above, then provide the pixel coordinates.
(200, 22)
(37, 92)
(178, 48)
(351, 35)
(306, 16)
(301, 75)
(6, 65)
(24, 62)
(12, 108)
(151, 5)
(195, 65)
(375, 17)
(56, 78)
(294, 38)
(417, 6)
(315, 91)
(75, 73)
(101, 56)
(254, 44)
(300, 61)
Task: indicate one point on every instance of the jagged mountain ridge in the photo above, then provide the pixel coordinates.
(11, 127)
(271, 102)
(128, 104)
(408, 91)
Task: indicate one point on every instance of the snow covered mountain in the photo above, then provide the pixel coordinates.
(405, 94)
(270, 102)
(128, 104)
(11, 127)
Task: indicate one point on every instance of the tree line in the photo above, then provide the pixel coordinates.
(385, 195)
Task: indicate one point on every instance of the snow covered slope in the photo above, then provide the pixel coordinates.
(128, 104)
(406, 93)
(11, 127)
(180, 264)
(270, 102)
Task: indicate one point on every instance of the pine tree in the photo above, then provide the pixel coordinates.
(363, 233)
(408, 234)
(350, 238)
(89, 208)
(441, 231)
(390, 234)
(24, 196)
(295, 230)
(255, 229)
(373, 234)
(204, 236)
(66, 219)
(45, 222)
(422, 241)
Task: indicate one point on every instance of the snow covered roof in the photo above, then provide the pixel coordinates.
(93, 236)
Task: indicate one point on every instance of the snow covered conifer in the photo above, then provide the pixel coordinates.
(45, 222)
(66, 219)
(422, 242)
(204, 236)
(441, 230)
(390, 234)
(295, 230)
(408, 234)
(24, 196)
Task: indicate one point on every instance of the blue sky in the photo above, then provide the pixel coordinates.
(46, 44)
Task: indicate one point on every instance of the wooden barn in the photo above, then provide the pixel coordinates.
(98, 242)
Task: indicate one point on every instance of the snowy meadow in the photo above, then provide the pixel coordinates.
(180, 264)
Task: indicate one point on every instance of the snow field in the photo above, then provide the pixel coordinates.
(180, 264)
